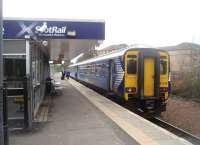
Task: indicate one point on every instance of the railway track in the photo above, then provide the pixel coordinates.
(177, 131)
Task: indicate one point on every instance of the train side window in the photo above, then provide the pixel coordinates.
(163, 67)
(131, 64)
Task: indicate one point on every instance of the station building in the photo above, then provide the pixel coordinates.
(29, 45)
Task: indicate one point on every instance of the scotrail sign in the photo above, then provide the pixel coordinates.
(40, 29)
(46, 31)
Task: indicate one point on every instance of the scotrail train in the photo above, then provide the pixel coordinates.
(137, 76)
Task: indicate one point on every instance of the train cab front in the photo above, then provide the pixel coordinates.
(146, 79)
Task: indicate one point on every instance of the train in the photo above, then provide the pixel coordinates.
(139, 77)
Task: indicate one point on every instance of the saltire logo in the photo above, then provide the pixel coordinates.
(34, 30)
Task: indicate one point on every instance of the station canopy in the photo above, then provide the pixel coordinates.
(63, 39)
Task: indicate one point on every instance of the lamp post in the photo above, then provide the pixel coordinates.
(1, 76)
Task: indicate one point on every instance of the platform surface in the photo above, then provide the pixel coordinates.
(140, 129)
(80, 116)
(73, 120)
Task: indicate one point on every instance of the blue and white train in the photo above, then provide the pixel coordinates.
(135, 75)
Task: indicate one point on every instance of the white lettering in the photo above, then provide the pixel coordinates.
(51, 30)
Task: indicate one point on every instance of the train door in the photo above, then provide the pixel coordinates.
(149, 76)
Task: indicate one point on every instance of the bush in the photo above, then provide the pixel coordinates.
(189, 86)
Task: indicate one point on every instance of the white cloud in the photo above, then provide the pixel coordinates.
(153, 22)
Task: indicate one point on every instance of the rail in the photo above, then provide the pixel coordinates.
(177, 131)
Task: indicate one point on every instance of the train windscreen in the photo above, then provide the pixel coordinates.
(163, 67)
(131, 64)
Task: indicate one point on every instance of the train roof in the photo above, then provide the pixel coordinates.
(102, 57)
(108, 56)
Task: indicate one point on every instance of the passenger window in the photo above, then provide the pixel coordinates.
(131, 64)
(163, 67)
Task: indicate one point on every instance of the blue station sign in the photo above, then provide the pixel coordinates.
(47, 29)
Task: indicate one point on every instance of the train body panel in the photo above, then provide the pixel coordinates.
(95, 74)
(131, 77)
(74, 72)
(118, 76)
(164, 75)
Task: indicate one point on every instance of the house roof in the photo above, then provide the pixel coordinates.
(182, 46)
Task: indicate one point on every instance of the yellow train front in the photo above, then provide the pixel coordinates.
(137, 77)
(146, 80)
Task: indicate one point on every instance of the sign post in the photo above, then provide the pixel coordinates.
(1, 76)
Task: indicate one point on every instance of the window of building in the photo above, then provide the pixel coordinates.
(14, 68)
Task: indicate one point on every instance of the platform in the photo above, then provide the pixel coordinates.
(80, 116)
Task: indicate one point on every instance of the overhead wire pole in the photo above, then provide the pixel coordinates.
(1, 76)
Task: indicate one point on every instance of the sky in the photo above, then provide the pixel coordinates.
(149, 22)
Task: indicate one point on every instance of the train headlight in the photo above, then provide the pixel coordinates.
(130, 90)
(163, 89)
